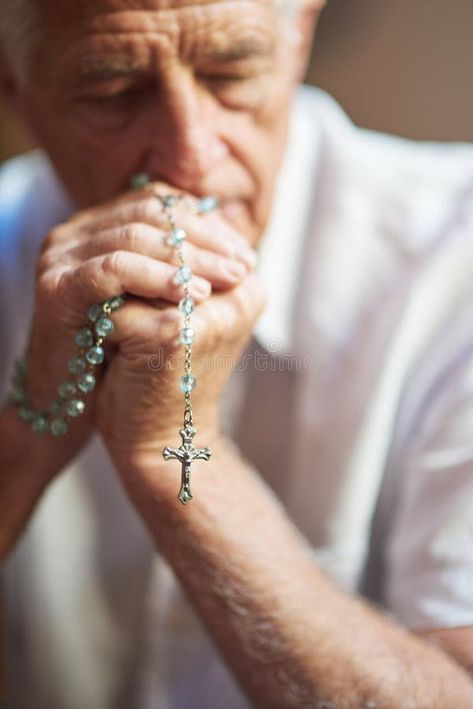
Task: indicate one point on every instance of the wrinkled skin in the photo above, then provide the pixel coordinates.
(198, 97)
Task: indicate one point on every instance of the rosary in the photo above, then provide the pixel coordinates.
(70, 401)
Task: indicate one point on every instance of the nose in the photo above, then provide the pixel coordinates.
(185, 144)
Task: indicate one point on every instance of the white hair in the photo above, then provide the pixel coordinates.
(19, 20)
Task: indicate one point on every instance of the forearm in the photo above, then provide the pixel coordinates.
(289, 635)
(27, 464)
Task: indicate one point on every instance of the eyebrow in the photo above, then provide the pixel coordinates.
(242, 49)
(107, 68)
(101, 69)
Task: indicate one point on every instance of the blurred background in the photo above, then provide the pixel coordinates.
(400, 66)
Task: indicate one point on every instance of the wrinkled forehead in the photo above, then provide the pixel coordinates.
(60, 12)
(82, 29)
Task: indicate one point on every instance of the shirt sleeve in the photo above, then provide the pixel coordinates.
(429, 551)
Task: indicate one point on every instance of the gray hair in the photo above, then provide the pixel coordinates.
(19, 20)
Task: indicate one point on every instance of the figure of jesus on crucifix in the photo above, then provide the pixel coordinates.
(185, 454)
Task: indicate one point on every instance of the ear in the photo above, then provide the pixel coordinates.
(305, 23)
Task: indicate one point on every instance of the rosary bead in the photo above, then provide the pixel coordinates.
(77, 365)
(103, 326)
(183, 274)
(94, 312)
(139, 181)
(187, 383)
(86, 382)
(116, 302)
(186, 306)
(40, 424)
(85, 338)
(95, 355)
(75, 407)
(59, 427)
(26, 414)
(176, 237)
(66, 389)
(207, 204)
(169, 200)
(187, 335)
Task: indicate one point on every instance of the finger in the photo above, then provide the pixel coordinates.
(149, 241)
(220, 320)
(141, 328)
(229, 314)
(213, 232)
(125, 272)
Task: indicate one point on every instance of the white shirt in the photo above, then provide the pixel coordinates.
(354, 402)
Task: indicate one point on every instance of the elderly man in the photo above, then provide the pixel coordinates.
(326, 558)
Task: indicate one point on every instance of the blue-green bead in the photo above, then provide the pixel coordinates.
(94, 312)
(26, 414)
(116, 302)
(40, 424)
(95, 355)
(59, 427)
(103, 326)
(183, 274)
(85, 338)
(139, 181)
(176, 237)
(86, 382)
(75, 407)
(207, 204)
(77, 365)
(186, 306)
(169, 200)
(187, 335)
(66, 389)
(187, 383)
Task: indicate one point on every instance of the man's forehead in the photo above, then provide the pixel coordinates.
(59, 11)
(96, 34)
(241, 31)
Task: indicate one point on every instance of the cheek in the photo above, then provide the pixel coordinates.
(94, 165)
(259, 144)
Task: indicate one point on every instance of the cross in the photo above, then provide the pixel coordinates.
(185, 454)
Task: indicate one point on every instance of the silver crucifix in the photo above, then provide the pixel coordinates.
(185, 454)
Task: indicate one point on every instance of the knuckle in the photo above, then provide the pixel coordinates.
(169, 325)
(53, 237)
(113, 263)
(51, 284)
(149, 210)
(87, 278)
(130, 236)
(241, 302)
(44, 262)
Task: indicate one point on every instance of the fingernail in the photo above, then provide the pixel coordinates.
(199, 287)
(246, 254)
(234, 270)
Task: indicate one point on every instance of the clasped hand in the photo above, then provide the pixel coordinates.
(120, 247)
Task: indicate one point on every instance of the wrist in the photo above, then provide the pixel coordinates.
(37, 456)
(150, 478)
